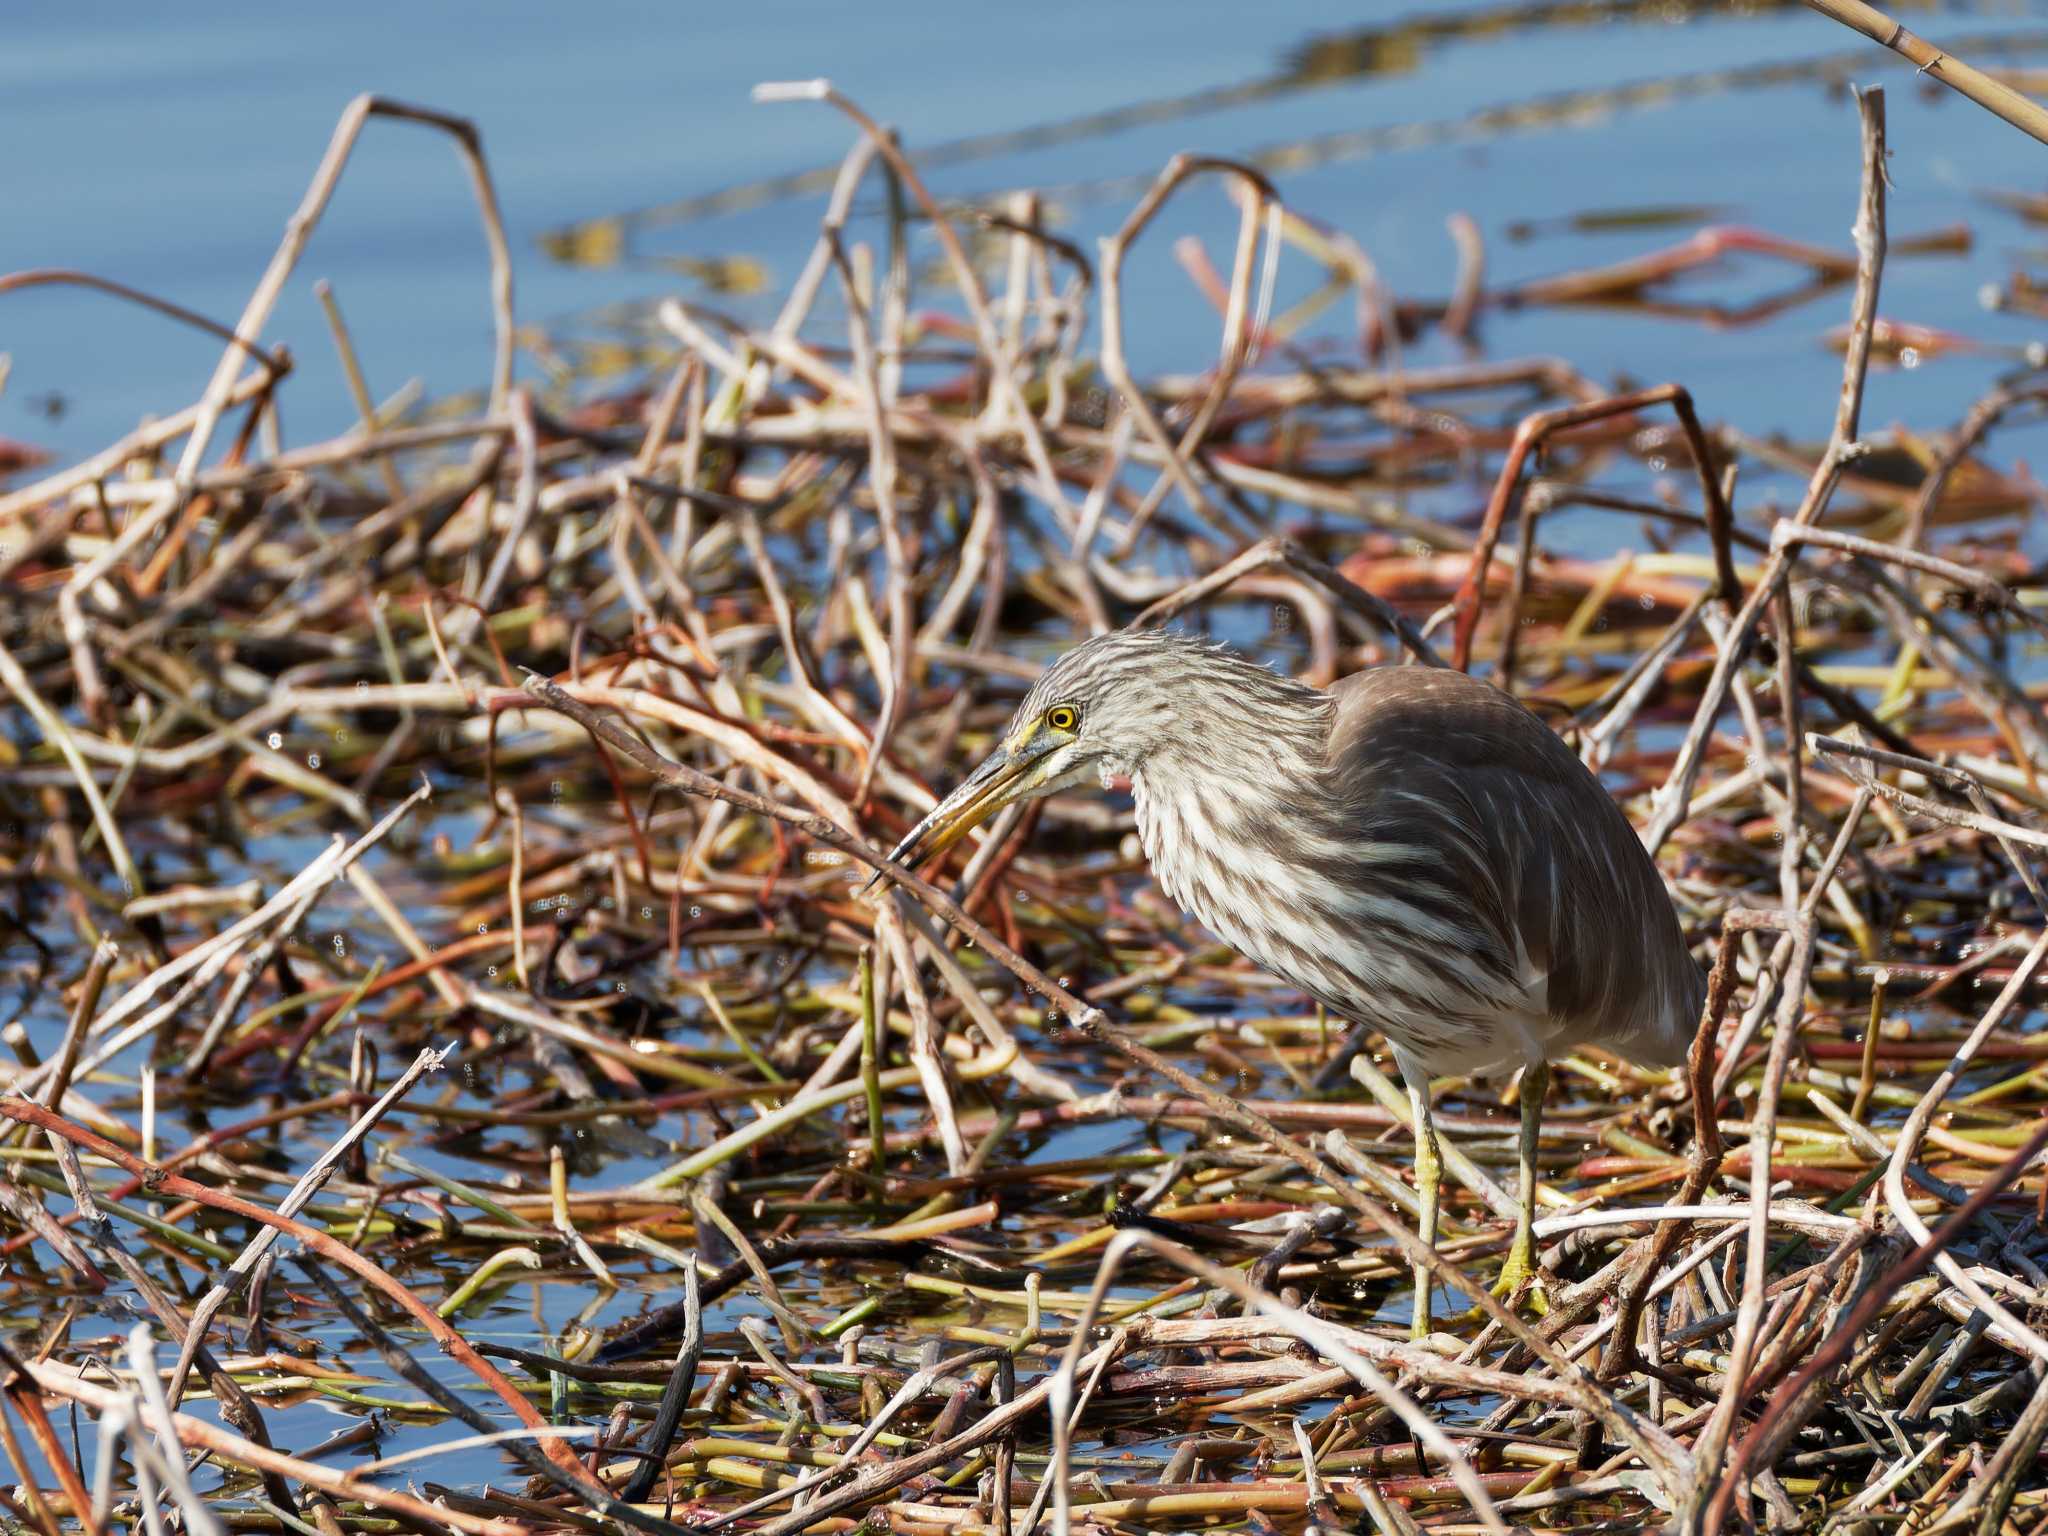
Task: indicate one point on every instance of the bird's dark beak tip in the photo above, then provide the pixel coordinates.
(934, 834)
(904, 853)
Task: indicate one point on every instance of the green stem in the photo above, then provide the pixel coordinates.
(871, 1062)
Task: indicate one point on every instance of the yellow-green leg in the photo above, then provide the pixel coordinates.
(1429, 1173)
(1521, 1262)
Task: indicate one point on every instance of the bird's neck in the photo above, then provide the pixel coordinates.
(1228, 809)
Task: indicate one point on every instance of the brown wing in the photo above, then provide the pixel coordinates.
(1551, 868)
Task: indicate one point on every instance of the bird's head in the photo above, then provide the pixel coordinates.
(1099, 712)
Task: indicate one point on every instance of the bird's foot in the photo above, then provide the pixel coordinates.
(1520, 1270)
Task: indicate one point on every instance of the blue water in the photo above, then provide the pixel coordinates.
(166, 148)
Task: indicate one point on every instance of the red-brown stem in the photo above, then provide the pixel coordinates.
(1532, 431)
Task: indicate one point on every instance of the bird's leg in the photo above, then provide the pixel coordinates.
(1429, 1170)
(1521, 1262)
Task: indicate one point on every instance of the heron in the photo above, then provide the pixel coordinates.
(1412, 848)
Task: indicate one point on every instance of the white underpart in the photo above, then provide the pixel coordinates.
(1452, 1031)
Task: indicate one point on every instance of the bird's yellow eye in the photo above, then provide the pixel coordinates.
(1063, 717)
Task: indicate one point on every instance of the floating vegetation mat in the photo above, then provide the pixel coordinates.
(460, 1078)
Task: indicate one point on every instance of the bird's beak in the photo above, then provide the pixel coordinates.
(1000, 779)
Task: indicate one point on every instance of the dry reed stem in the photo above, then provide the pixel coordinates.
(1992, 95)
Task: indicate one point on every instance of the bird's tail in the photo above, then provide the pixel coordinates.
(1667, 1034)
